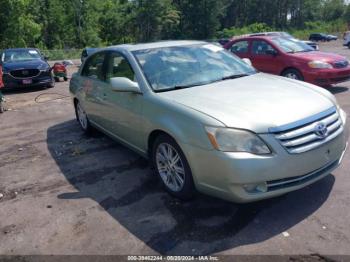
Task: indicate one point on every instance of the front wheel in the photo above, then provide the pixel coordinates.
(172, 168)
(293, 74)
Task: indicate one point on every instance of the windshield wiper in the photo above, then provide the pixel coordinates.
(178, 87)
(234, 76)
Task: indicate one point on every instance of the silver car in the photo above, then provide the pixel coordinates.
(210, 122)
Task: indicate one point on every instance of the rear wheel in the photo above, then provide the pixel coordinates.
(172, 167)
(293, 74)
(65, 78)
(82, 118)
(57, 79)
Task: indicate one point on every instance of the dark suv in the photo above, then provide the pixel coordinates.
(319, 37)
(23, 67)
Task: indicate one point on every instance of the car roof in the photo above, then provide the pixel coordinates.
(275, 33)
(19, 49)
(159, 44)
(257, 37)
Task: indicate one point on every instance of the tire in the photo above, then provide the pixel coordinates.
(65, 79)
(293, 74)
(57, 79)
(52, 84)
(2, 107)
(176, 177)
(82, 119)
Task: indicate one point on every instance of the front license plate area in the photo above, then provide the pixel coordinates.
(27, 81)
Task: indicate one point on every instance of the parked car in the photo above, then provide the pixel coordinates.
(346, 38)
(210, 122)
(332, 37)
(25, 67)
(281, 56)
(319, 37)
(86, 52)
(289, 36)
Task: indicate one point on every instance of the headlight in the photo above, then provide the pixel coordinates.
(5, 70)
(44, 67)
(235, 140)
(319, 65)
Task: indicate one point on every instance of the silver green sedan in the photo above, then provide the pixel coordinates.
(210, 122)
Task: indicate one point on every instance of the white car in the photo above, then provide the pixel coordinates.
(346, 39)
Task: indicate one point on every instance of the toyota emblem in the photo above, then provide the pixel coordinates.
(321, 130)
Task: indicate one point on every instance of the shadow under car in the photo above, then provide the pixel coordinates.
(124, 186)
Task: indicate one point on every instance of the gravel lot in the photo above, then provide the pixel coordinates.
(65, 193)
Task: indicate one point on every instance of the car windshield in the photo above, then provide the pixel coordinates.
(290, 46)
(171, 68)
(20, 55)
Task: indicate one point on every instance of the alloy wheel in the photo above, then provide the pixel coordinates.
(170, 167)
(292, 76)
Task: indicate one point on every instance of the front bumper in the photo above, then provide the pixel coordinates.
(43, 79)
(326, 77)
(228, 175)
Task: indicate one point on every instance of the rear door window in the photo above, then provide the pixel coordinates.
(94, 67)
(260, 47)
(240, 47)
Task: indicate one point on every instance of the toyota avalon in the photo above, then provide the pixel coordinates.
(210, 122)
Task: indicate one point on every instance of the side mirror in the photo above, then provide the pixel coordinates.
(123, 84)
(271, 52)
(247, 61)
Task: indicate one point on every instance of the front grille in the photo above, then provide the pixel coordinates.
(298, 180)
(302, 136)
(341, 64)
(25, 73)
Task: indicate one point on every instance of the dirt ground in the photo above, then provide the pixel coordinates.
(65, 193)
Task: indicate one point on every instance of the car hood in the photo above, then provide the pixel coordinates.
(320, 56)
(28, 64)
(257, 102)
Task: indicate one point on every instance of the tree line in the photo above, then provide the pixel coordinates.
(60, 24)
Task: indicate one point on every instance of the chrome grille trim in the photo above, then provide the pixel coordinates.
(38, 72)
(301, 138)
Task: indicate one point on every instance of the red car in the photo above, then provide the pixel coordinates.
(293, 59)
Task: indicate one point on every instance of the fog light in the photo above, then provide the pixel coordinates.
(262, 188)
(256, 188)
